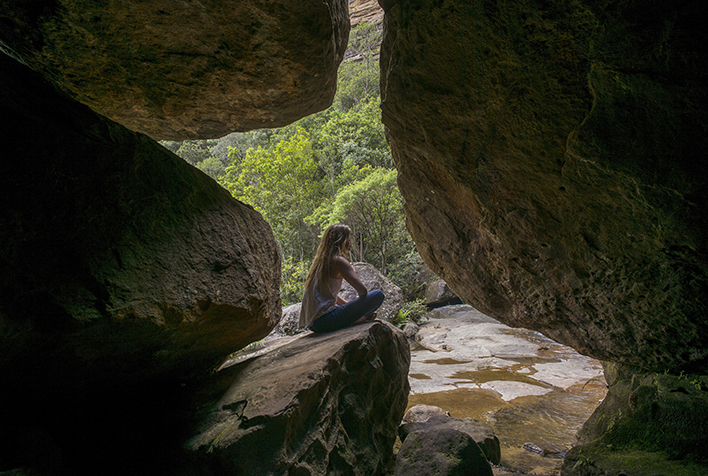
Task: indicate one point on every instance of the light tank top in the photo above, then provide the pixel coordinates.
(316, 303)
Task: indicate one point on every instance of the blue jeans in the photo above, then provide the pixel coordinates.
(347, 314)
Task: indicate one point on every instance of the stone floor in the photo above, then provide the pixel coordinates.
(527, 387)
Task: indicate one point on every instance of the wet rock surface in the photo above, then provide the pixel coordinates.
(186, 70)
(321, 404)
(526, 387)
(552, 162)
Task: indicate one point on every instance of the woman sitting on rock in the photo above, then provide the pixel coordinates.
(323, 310)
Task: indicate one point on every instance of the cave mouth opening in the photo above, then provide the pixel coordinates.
(315, 166)
(334, 166)
(329, 162)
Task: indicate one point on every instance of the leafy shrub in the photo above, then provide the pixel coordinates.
(412, 311)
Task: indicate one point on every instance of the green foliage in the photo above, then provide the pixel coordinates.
(405, 269)
(358, 78)
(334, 166)
(195, 151)
(235, 145)
(354, 138)
(373, 207)
(214, 167)
(281, 183)
(412, 311)
(293, 275)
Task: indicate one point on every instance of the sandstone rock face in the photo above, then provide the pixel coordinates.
(104, 230)
(373, 279)
(444, 452)
(323, 404)
(185, 70)
(365, 11)
(482, 434)
(289, 324)
(123, 273)
(659, 419)
(438, 292)
(553, 165)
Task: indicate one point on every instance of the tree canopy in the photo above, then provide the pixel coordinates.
(330, 167)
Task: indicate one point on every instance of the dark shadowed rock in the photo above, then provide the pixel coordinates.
(444, 452)
(121, 247)
(647, 421)
(482, 434)
(125, 273)
(553, 165)
(322, 404)
(373, 279)
(185, 70)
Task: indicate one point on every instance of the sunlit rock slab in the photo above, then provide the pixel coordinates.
(185, 70)
(463, 348)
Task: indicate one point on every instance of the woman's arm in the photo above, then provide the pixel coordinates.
(343, 268)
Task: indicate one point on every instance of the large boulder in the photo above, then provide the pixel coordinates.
(443, 452)
(106, 233)
(421, 413)
(124, 273)
(553, 161)
(482, 434)
(185, 70)
(647, 421)
(438, 293)
(322, 404)
(373, 279)
(289, 324)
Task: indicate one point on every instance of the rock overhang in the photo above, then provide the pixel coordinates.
(550, 162)
(185, 70)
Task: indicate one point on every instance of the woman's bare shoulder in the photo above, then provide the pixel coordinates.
(341, 266)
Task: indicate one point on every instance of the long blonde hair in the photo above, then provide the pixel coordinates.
(331, 245)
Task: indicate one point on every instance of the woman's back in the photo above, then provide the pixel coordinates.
(316, 301)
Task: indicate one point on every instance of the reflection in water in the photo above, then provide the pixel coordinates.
(555, 417)
(528, 388)
(446, 361)
(552, 418)
(504, 375)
